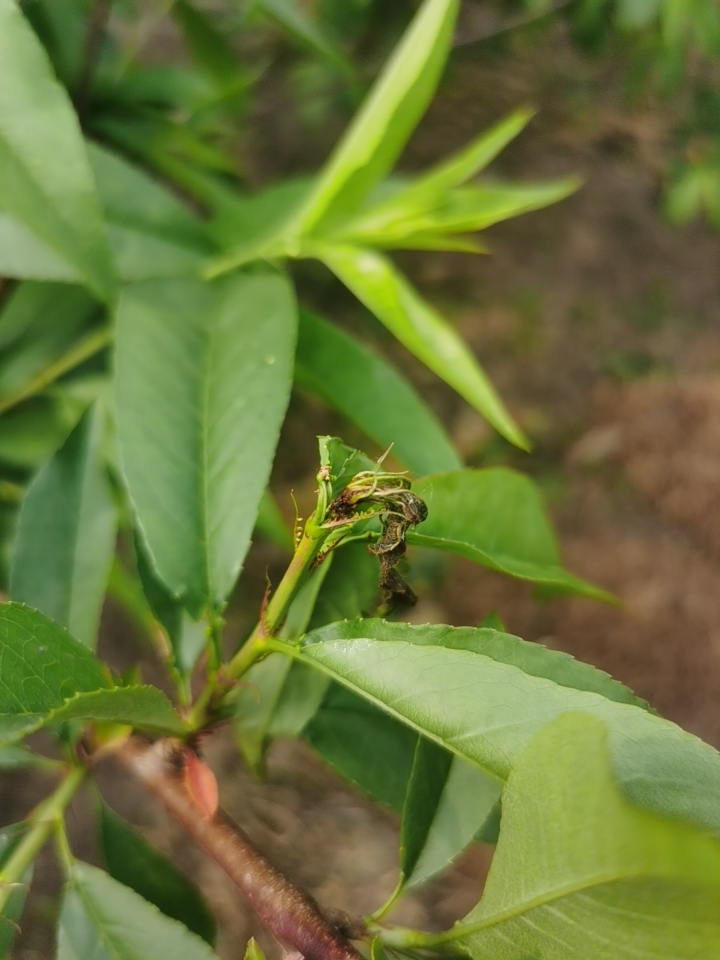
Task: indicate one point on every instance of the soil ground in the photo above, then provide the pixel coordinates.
(599, 324)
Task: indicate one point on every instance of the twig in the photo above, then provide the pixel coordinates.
(292, 916)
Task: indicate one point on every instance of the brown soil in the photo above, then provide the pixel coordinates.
(599, 323)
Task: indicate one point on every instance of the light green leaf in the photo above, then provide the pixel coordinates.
(496, 517)
(203, 374)
(485, 707)
(47, 675)
(103, 920)
(380, 130)
(133, 862)
(465, 210)
(370, 393)
(45, 178)
(342, 463)
(253, 951)
(419, 327)
(581, 872)
(24, 256)
(66, 534)
(10, 837)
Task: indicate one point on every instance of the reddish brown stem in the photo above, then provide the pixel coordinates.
(291, 915)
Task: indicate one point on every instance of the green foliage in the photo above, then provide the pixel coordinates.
(104, 920)
(579, 870)
(149, 351)
(134, 863)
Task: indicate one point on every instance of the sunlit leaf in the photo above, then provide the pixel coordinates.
(457, 687)
(581, 872)
(419, 327)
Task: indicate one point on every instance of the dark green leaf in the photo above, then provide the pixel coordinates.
(203, 379)
(45, 179)
(380, 130)
(370, 393)
(496, 517)
(580, 872)
(419, 327)
(133, 862)
(290, 15)
(47, 675)
(270, 523)
(10, 837)
(66, 534)
(103, 920)
(431, 766)
(32, 432)
(39, 322)
(364, 745)
(486, 709)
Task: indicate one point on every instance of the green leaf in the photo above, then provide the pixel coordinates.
(258, 702)
(151, 232)
(24, 256)
(460, 689)
(133, 862)
(10, 837)
(381, 128)
(419, 327)
(465, 210)
(496, 517)
(371, 394)
(103, 920)
(341, 462)
(447, 804)
(33, 431)
(66, 534)
(209, 47)
(45, 178)
(253, 951)
(432, 186)
(364, 745)
(16, 757)
(187, 637)
(581, 872)
(203, 374)
(38, 324)
(47, 675)
(290, 16)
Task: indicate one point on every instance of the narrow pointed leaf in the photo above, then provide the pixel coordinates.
(377, 135)
(101, 919)
(290, 15)
(430, 189)
(419, 327)
(485, 707)
(65, 538)
(45, 179)
(47, 675)
(133, 862)
(371, 394)
(203, 374)
(496, 517)
(581, 872)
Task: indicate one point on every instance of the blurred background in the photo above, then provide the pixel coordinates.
(598, 319)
